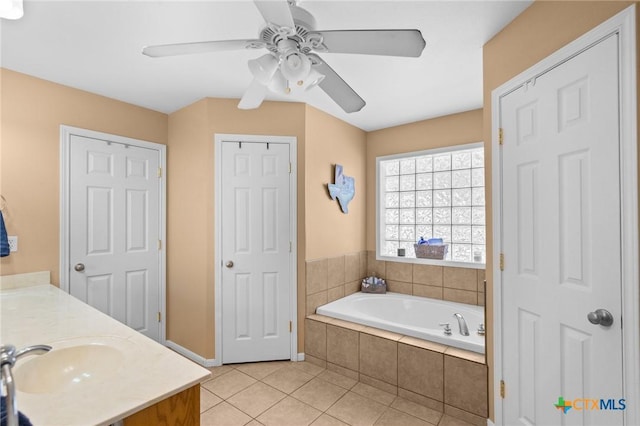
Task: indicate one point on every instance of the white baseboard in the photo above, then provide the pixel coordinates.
(204, 361)
(490, 423)
(192, 355)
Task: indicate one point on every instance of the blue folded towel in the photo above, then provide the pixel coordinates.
(22, 419)
(4, 240)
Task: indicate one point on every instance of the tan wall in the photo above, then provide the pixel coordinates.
(335, 241)
(189, 290)
(456, 129)
(539, 31)
(191, 270)
(330, 141)
(32, 112)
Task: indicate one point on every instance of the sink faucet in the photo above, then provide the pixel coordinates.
(8, 357)
(462, 324)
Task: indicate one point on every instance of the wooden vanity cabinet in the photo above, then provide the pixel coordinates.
(180, 409)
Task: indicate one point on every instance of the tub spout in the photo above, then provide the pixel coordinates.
(462, 324)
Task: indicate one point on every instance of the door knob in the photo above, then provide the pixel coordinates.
(600, 316)
(230, 264)
(79, 267)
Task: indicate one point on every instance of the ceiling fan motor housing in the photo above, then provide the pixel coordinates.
(305, 23)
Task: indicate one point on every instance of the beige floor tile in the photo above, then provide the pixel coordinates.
(337, 379)
(219, 371)
(319, 394)
(287, 412)
(224, 414)
(260, 370)
(327, 420)
(465, 416)
(452, 421)
(229, 384)
(356, 410)
(254, 422)
(417, 410)
(393, 417)
(375, 394)
(308, 367)
(256, 399)
(207, 400)
(287, 379)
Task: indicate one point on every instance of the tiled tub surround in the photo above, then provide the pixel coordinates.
(439, 377)
(409, 315)
(331, 278)
(463, 285)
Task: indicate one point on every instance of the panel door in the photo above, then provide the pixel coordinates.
(561, 242)
(256, 252)
(114, 231)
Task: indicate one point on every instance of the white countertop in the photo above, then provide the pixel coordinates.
(44, 314)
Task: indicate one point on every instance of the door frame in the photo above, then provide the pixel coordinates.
(624, 25)
(292, 141)
(65, 167)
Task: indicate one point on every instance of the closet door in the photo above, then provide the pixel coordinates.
(114, 213)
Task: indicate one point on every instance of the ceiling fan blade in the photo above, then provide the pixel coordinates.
(253, 96)
(200, 47)
(372, 42)
(336, 87)
(276, 12)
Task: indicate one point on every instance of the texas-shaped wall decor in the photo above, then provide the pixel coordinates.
(343, 188)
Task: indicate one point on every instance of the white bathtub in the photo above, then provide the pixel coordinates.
(410, 315)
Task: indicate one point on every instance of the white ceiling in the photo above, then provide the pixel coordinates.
(95, 46)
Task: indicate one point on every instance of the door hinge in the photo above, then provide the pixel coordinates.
(500, 136)
(290, 246)
(159, 316)
(289, 167)
(159, 172)
(159, 244)
(502, 389)
(290, 326)
(501, 261)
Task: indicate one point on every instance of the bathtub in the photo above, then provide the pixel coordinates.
(410, 315)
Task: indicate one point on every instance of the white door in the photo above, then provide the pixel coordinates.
(114, 215)
(561, 244)
(255, 254)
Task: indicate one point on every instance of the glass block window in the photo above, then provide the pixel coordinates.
(433, 194)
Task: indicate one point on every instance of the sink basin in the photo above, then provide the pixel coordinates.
(67, 367)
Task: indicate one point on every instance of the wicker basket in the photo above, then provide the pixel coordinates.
(424, 251)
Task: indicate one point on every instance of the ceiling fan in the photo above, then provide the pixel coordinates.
(291, 64)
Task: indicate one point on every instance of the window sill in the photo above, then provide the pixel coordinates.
(435, 262)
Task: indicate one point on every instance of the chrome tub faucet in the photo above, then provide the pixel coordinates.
(462, 324)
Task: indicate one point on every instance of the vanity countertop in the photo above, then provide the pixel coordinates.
(145, 374)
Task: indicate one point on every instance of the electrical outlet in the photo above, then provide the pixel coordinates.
(13, 243)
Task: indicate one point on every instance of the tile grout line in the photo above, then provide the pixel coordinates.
(322, 412)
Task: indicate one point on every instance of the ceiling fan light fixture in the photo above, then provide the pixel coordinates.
(263, 68)
(11, 9)
(295, 66)
(278, 83)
